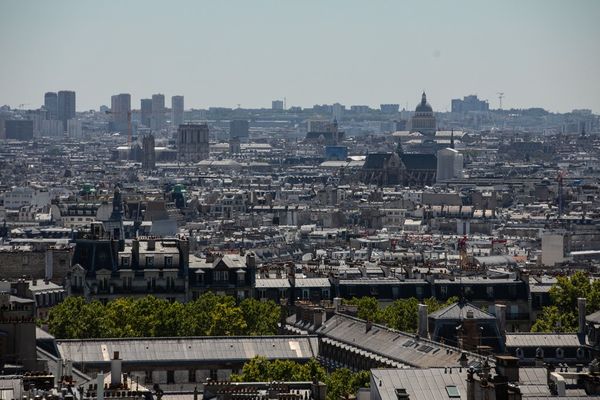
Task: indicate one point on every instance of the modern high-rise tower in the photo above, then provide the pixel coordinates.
(51, 105)
(146, 112)
(66, 106)
(176, 111)
(239, 128)
(120, 108)
(158, 112)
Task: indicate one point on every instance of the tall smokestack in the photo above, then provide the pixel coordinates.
(581, 303)
(115, 370)
(422, 328)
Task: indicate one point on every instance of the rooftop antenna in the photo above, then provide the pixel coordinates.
(500, 97)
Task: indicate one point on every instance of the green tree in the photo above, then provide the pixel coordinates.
(553, 320)
(227, 320)
(367, 308)
(117, 318)
(561, 316)
(342, 383)
(261, 317)
(74, 318)
(145, 315)
(259, 369)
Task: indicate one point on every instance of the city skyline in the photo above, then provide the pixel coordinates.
(539, 53)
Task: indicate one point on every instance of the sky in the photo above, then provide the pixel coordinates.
(539, 53)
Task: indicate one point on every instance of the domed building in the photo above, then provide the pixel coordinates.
(423, 121)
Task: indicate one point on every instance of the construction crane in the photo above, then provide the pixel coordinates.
(500, 97)
(128, 123)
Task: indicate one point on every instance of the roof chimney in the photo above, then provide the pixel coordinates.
(115, 370)
(581, 304)
(422, 328)
(100, 383)
(501, 318)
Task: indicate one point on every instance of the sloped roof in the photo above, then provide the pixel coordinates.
(397, 346)
(458, 311)
(414, 161)
(594, 317)
(376, 160)
(188, 349)
(527, 339)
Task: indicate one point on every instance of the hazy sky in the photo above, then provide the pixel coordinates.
(541, 53)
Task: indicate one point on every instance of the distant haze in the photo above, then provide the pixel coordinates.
(540, 53)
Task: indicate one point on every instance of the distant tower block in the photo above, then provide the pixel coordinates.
(192, 142)
(235, 146)
(176, 111)
(148, 152)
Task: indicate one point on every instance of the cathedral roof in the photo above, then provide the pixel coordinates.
(423, 106)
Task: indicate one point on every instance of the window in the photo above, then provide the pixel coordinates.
(125, 261)
(490, 291)
(520, 353)
(152, 283)
(560, 353)
(127, 282)
(419, 292)
(170, 282)
(468, 291)
(168, 261)
(444, 290)
(453, 392)
(221, 276)
(149, 261)
(171, 376)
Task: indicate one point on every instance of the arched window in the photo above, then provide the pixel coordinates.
(560, 353)
(580, 353)
(520, 352)
(539, 353)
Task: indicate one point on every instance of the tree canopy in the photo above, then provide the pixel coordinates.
(208, 315)
(561, 316)
(340, 383)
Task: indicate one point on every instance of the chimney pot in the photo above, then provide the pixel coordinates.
(581, 306)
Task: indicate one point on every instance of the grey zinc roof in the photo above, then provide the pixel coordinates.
(312, 282)
(514, 340)
(420, 384)
(458, 311)
(398, 346)
(594, 317)
(272, 283)
(430, 384)
(189, 349)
